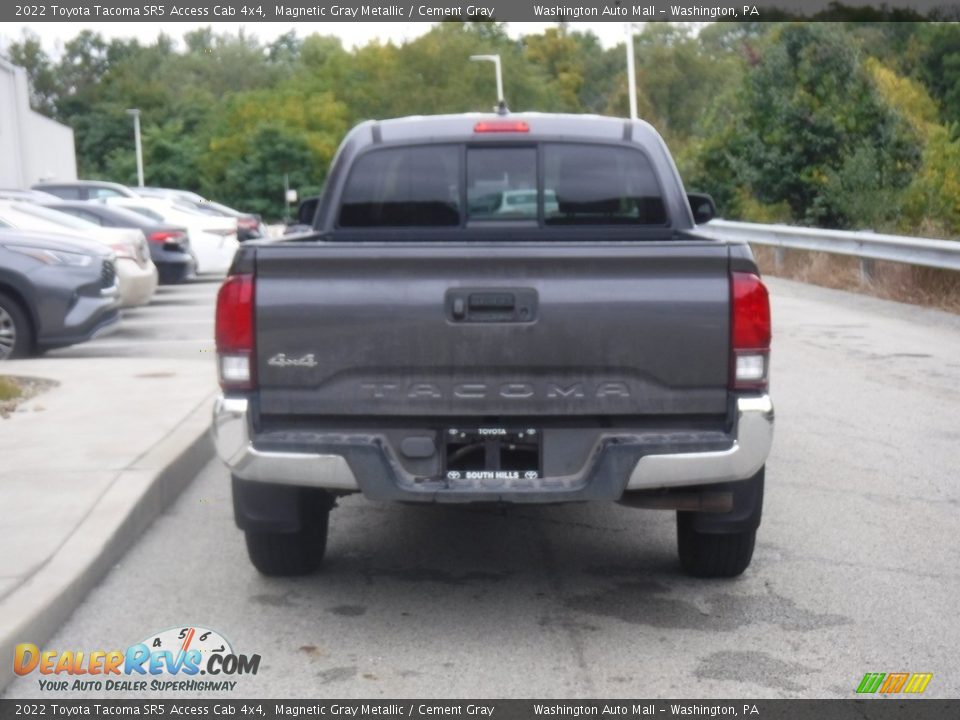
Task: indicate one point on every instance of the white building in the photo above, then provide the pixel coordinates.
(32, 147)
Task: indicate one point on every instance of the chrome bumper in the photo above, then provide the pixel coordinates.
(743, 460)
(754, 435)
(231, 435)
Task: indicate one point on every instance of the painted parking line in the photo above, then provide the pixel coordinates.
(136, 342)
(131, 321)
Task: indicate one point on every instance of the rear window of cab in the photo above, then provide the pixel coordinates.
(550, 184)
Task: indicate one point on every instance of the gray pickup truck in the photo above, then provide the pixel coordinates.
(502, 308)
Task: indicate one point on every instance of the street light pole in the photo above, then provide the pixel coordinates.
(495, 59)
(136, 137)
(631, 72)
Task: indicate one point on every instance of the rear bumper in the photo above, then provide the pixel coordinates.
(213, 253)
(746, 455)
(621, 463)
(174, 267)
(137, 283)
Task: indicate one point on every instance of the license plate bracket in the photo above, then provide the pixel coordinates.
(492, 452)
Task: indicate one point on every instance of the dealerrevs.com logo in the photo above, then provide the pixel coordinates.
(893, 683)
(178, 659)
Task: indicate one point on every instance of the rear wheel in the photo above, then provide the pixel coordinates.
(16, 336)
(720, 545)
(279, 554)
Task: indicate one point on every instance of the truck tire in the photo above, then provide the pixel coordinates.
(720, 545)
(16, 335)
(279, 554)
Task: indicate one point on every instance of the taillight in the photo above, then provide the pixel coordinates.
(500, 126)
(234, 333)
(167, 236)
(247, 223)
(749, 332)
(123, 250)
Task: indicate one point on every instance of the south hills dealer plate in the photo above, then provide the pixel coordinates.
(492, 453)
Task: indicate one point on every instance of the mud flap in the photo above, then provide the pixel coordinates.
(273, 508)
(746, 512)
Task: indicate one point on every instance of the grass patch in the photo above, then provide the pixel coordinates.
(9, 389)
(17, 390)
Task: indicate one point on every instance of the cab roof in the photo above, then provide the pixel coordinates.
(458, 126)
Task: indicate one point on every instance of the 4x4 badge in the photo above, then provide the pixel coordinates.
(281, 360)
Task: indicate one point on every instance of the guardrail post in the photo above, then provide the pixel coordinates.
(866, 270)
(779, 256)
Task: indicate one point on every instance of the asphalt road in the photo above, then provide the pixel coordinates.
(857, 567)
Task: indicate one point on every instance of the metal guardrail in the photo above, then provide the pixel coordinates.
(867, 246)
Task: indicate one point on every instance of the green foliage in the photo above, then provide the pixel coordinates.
(264, 135)
(579, 73)
(256, 178)
(44, 88)
(100, 132)
(932, 201)
(558, 53)
(808, 128)
(677, 78)
(941, 67)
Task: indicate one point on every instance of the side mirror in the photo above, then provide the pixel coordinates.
(702, 206)
(307, 210)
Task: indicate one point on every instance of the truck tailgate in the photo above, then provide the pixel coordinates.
(494, 330)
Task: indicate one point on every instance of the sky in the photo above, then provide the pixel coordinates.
(53, 34)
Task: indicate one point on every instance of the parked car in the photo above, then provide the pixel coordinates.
(213, 240)
(249, 225)
(55, 290)
(418, 349)
(27, 195)
(85, 189)
(169, 244)
(518, 204)
(136, 271)
(170, 194)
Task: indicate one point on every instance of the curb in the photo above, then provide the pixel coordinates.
(140, 492)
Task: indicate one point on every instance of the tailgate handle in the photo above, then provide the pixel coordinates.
(491, 305)
(492, 302)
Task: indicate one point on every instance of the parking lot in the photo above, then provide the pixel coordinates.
(855, 569)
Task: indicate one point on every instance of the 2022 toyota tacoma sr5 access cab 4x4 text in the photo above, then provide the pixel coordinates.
(429, 342)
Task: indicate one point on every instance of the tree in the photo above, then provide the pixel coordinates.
(297, 125)
(560, 55)
(28, 53)
(285, 50)
(932, 200)
(255, 180)
(808, 128)
(83, 65)
(941, 67)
